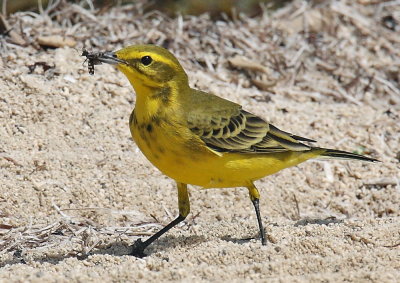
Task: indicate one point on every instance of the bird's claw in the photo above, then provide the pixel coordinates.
(138, 249)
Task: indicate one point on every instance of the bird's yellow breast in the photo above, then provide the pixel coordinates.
(181, 155)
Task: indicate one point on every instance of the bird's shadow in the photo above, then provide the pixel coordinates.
(121, 248)
(117, 248)
(302, 222)
(326, 221)
(239, 241)
(165, 243)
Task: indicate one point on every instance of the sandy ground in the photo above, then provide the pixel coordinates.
(75, 191)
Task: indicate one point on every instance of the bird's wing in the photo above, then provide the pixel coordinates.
(224, 127)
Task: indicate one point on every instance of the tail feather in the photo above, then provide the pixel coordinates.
(333, 153)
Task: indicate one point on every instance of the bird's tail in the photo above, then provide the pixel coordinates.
(340, 154)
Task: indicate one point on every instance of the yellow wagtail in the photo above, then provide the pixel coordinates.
(198, 138)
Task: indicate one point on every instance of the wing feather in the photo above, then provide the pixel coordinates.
(225, 127)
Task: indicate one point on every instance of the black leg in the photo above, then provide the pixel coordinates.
(184, 209)
(260, 224)
(139, 246)
(255, 196)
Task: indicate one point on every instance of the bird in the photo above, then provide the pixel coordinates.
(198, 138)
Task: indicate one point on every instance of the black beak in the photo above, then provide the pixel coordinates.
(108, 57)
(96, 58)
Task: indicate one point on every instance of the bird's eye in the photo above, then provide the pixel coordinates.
(146, 60)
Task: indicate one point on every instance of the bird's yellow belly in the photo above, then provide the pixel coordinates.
(187, 162)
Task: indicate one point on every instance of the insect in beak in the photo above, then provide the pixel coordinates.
(96, 58)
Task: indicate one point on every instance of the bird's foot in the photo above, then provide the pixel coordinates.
(263, 241)
(138, 248)
(263, 238)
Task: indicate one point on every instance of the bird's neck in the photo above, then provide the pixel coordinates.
(157, 101)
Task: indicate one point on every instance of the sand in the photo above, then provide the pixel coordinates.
(75, 191)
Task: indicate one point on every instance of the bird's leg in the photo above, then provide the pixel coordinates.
(254, 197)
(184, 209)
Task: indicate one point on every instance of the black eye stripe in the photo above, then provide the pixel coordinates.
(146, 60)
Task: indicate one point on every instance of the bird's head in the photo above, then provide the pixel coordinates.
(146, 65)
